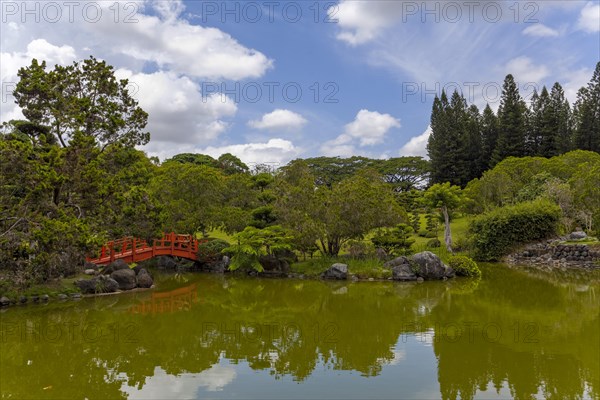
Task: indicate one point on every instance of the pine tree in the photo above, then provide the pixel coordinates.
(587, 115)
(511, 122)
(561, 118)
(471, 154)
(489, 137)
(442, 146)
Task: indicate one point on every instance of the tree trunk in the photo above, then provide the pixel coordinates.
(447, 235)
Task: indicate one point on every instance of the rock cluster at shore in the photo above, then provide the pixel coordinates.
(114, 277)
(419, 267)
(557, 254)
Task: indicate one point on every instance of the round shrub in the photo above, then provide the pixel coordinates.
(464, 266)
(210, 251)
(434, 243)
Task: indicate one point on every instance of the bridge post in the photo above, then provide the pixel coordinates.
(133, 250)
(172, 242)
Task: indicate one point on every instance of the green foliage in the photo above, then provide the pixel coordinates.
(211, 250)
(359, 248)
(415, 221)
(464, 266)
(253, 243)
(497, 232)
(396, 241)
(433, 243)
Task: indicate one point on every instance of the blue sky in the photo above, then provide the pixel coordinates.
(367, 70)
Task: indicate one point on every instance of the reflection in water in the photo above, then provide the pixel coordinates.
(174, 300)
(514, 333)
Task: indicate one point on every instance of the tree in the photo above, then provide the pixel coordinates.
(84, 97)
(511, 123)
(446, 197)
(587, 115)
(191, 195)
(252, 243)
(395, 241)
(404, 173)
(230, 164)
(489, 136)
(561, 119)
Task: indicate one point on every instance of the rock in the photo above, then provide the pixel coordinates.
(62, 296)
(115, 266)
(90, 272)
(336, 271)
(272, 263)
(89, 265)
(76, 295)
(420, 280)
(125, 278)
(137, 269)
(99, 284)
(144, 280)
(401, 269)
(226, 261)
(578, 235)
(166, 262)
(371, 279)
(429, 266)
(35, 298)
(380, 253)
(44, 297)
(403, 272)
(23, 299)
(396, 261)
(4, 301)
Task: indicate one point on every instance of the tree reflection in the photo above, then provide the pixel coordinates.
(510, 329)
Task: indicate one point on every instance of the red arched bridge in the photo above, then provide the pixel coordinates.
(130, 249)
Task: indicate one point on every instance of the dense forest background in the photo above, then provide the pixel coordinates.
(72, 178)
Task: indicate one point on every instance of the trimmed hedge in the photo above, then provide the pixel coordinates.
(211, 250)
(464, 266)
(498, 232)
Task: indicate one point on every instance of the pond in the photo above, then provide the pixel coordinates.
(516, 333)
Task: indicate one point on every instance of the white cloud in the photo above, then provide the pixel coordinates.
(368, 128)
(525, 71)
(540, 30)
(177, 111)
(162, 385)
(279, 119)
(276, 151)
(362, 21)
(589, 18)
(575, 80)
(417, 145)
(154, 32)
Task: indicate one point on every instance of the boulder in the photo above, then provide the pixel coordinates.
(44, 297)
(271, 264)
(144, 280)
(4, 301)
(336, 271)
(429, 266)
(125, 278)
(401, 269)
(62, 296)
(578, 235)
(89, 265)
(90, 272)
(23, 299)
(115, 266)
(99, 284)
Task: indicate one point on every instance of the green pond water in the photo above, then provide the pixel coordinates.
(516, 333)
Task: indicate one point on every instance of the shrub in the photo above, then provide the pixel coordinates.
(211, 251)
(359, 248)
(434, 243)
(464, 266)
(423, 233)
(497, 232)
